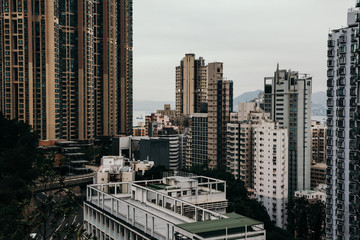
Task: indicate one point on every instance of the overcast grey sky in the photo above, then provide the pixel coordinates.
(248, 36)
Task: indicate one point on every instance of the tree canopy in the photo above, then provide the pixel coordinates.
(18, 156)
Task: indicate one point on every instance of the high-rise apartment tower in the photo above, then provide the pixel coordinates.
(59, 66)
(191, 85)
(125, 66)
(342, 156)
(288, 100)
(220, 105)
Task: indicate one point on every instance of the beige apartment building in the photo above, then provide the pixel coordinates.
(58, 66)
(28, 45)
(318, 142)
(171, 113)
(239, 143)
(191, 85)
(124, 44)
(220, 104)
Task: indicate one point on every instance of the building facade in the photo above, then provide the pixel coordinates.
(175, 207)
(191, 85)
(257, 153)
(270, 152)
(197, 144)
(220, 105)
(171, 113)
(342, 156)
(318, 142)
(239, 143)
(29, 44)
(318, 174)
(311, 195)
(288, 100)
(59, 65)
(124, 60)
(174, 146)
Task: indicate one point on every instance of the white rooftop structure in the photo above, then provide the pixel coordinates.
(118, 168)
(154, 210)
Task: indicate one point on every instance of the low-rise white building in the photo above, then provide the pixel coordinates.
(312, 195)
(120, 169)
(164, 209)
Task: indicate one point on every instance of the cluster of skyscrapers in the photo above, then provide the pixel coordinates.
(66, 66)
(66, 69)
(267, 143)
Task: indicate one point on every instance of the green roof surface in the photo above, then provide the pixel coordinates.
(235, 224)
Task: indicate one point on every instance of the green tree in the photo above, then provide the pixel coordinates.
(306, 219)
(24, 167)
(18, 154)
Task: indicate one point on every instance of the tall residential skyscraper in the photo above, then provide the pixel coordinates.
(191, 85)
(29, 70)
(58, 69)
(87, 53)
(342, 156)
(220, 105)
(288, 100)
(125, 66)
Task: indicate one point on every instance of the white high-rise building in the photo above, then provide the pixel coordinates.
(342, 156)
(288, 100)
(257, 153)
(270, 156)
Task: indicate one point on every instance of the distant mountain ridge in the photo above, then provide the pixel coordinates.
(246, 97)
(318, 105)
(318, 101)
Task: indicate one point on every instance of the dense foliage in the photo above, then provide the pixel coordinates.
(18, 156)
(23, 165)
(306, 219)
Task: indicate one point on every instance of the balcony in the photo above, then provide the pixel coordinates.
(340, 82)
(357, 32)
(341, 71)
(331, 53)
(354, 48)
(357, 18)
(342, 39)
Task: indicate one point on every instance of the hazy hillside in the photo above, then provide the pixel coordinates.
(246, 97)
(318, 106)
